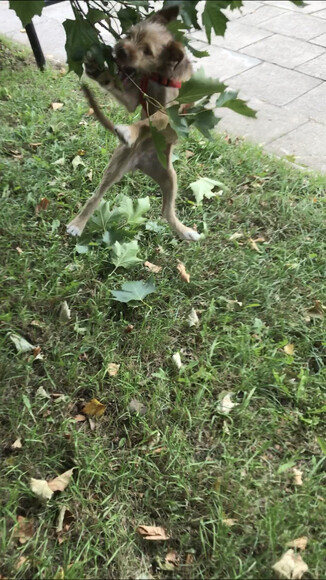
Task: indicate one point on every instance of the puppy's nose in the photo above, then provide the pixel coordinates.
(121, 53)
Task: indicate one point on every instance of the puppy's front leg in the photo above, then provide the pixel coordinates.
(129, 134)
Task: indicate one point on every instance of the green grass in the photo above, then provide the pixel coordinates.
(209, 466)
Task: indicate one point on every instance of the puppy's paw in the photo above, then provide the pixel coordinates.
(190, 235)
(73, 230)
(123, 132)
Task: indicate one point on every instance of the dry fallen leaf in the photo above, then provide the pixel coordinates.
(189, 558)
(253, 245)
(136, 406)
(229, 522)
(90, 111)
(299, 543)
(289, 349)
(193, 319)
(177, 360)
(225, 404)
(172, 557)
(60, 483)
(291, 566)
(113, 369)
(94, 408)
(189, 154)
(35, 145)
(129, 328)
(152, 533)
(24, 529)
(80, 418)
(17, 444)
(19, 250)
(43, 205)
(182, 271)
(56, 106)
(317, 311)
(65, 520)
(297, 476)
(236, 236)
(65, 313)
(20, 562)
(152, 267)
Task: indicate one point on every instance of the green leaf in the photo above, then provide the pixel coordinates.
(21, 344)
(124, 255)
(213, 18)
(94, 15)
(127, 16)
(80, 249)
(177, 122)
(205, 121)
(238, 105)
(198, 87)
(203, 187)
(160, 144)
(197, 53)
(298, 2)
(134, 290)
(322, 444)
(226, 96)
(133, 210)
(81, 37)
(26, 10)
(285, 466)
(189, 14)
(102, 215)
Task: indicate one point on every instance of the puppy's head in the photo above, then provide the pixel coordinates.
(149, 46)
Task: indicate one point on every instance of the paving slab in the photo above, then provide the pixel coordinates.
(321, 13)
(285, 51)
(297, 25)
(310, 8)
(247, 8)
(313, 104)
(237, 36)
(306, 142)
(271, 122)
(315, 68)
(223, 63)
(320, 40)
(261, 14)
(274, 84)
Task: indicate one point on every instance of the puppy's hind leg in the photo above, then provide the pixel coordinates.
(122, 161)
(167, 180)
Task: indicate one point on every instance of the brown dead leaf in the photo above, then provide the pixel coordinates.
(20, 562)
(289, 349)
(172, 558)
(317, 311)
(60, 483)
(129, 328)
(153, 533)
(113, 369)
(65, 519)
(291, 566)
(94, 408)
(152, 267)
(189, 154)
(24, 529)
(17, 444)
(90, 111)
(80, 418)
(19, 250)
(42, 206)
(299, 543)
(229, 522)
(41, 488)
(259, 239)
(182, 271)
(56, 106)
(189, 558)
(253, 245)
(81, 152)
(297, 476)
(236, 236)
(35, 145)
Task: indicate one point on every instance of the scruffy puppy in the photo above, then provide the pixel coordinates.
(152, 67)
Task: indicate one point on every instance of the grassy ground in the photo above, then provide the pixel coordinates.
(183, 464)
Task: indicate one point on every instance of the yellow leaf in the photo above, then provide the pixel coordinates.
(113, 369)
(152, 533)
(183, 274)
(299, 543)
(94, 408)
(253, 245)
(289, 349)
(229, 522)
(152, 267)
(291, 566)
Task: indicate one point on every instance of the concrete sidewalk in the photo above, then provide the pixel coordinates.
(274, 52)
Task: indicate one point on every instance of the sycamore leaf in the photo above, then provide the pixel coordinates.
(41, 488)
(291, 566)
(177, 122)
(65, 519)
(133, 210)
(94, 408)
(152, 533)
(225, 404)
(81, 37)
(299, 543)
(176, 358)
(183, 273)
(26, 10)
(203, 187)
(205, 121)
(102, 215)
(160, 145)
(193, 319)
(125, 255)
(65, 313)
(199, 86)
(56, 106)
(134, 290)
(113, 369)
(77, 161)
(213, 18)
(21, 344)
(152, 267)
(60, 483)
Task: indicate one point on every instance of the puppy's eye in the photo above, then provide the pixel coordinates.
(147, 51)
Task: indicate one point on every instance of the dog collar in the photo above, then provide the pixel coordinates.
(158, 79)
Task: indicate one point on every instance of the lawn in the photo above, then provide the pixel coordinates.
(167, 451)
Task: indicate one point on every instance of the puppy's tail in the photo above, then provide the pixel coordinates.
(97, 111)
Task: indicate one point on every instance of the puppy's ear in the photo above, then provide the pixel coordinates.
(173, 52)
(165, 15)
